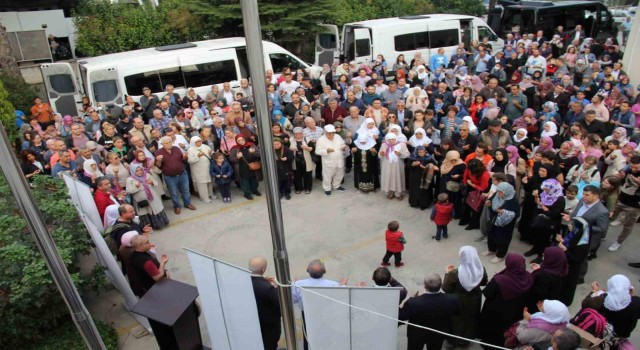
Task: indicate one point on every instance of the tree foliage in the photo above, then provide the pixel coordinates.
(104, 27)
(30, 303)
(463, 7)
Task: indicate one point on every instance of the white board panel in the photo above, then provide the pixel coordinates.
(71, 186)
(228, 303)
(88, 205)
(369, 331)
(332, 325)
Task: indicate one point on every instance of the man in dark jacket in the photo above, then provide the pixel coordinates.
(382, 278)
(268, 303)
(435, 310)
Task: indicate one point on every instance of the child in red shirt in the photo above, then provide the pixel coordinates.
(395, 244)
(441, 216)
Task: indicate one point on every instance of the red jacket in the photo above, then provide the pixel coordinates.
(393, 241)
(103, 200)
(442, 214)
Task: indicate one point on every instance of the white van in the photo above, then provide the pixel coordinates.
(362, 41)
(109, 78)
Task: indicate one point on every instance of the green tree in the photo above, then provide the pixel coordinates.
(104, 27)
(464, 7)
(30, 303)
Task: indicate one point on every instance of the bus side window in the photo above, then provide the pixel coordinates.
(136, 82)
(281, 60)
(204, 74)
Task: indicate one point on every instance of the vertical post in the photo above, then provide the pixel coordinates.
(255, 55)
(22, 193)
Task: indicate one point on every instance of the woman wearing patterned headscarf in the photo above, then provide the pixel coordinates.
(546, 222)
(148, 203)
(504, 213)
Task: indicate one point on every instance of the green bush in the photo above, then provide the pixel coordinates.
(20, 95)
(67, 337)
(30, 303)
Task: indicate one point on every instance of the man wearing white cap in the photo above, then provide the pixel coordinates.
(331, 148)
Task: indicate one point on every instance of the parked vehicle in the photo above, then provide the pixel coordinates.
(531, 16)
(361, 42)
(109, 78)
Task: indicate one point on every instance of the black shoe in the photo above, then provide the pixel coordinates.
(257, 193)
(592, 256)
(469, 228)
(347, 171)
(341, 189)
(537, 260)
(287, 196)
(435, 237)
(529, 253)
(580, 280)
(636, 265)
(463, 223)
(327, 193)
(248, 196)
(445, 236)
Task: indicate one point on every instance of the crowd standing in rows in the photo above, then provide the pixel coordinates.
(541, 137)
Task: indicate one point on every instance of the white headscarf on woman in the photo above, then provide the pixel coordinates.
(553, 130)
(398, 131)
(423, 141)
(618, 296)
(472, 127)
(365, 142)
(390, 153)
(555, 312)
(520, 139)
(364, 129)
(470, 271)
(89, 171)
(421, 75)
(111, 215)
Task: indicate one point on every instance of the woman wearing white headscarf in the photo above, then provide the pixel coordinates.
(537, 329)
(392, 178)
(365, 164)
(91, 172)
(617, 304)
(111, 214)
(473, 129)
(419, 138)
(465, 282)
(199, 158)
(369, 128)
(396, 129)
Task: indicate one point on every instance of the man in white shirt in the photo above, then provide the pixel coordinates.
(287, 87)
(380, 85)
(536, 62)
(316, 270)
(331, 148)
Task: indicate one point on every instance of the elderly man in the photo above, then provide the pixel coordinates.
(493, 90)
(404, 115)
(141, 130)
(168, 110)
(435, 310)
(138, 144)
(170, 160)
(331, 148)
(237, 112)
(217, 130)
(143, 269)
(312, 134)
(333, 112)
(353, 121)
(496, 137)
(125, 223)
(159, 121)
(391, 96)
(316, 270)
(174, 98)
(268, 303)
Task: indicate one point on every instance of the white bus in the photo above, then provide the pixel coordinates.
(108, 79)
(362, 41)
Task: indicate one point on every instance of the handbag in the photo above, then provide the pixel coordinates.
(475, 200)
(254, 165)
(143, 203)
(452, 186)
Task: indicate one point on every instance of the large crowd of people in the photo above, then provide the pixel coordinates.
(541, 137)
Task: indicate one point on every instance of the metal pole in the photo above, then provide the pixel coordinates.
(255, 55)
(22, 193)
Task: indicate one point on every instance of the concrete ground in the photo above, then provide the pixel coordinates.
(345, 230)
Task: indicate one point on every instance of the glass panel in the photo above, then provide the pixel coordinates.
(327, 41)
(444, 38)
(281, 60)
(210, 73)
(363, 47)
(105, 91)
(62, 83)
(171, 76)
(243, 61)
(135, 82)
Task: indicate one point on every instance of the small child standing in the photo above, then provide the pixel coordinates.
(395, 244)
(570, 203)
(222, 173)
(441, 215)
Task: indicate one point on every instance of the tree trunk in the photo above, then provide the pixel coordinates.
(8, 62)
